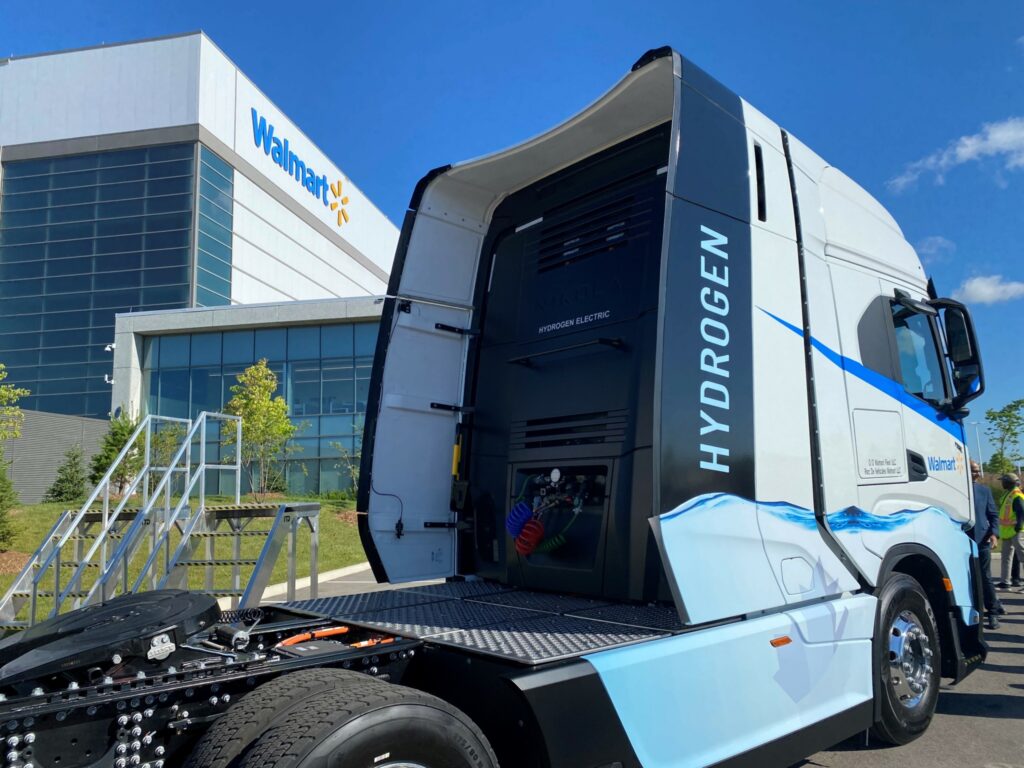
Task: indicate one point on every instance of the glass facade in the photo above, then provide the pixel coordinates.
(213, 254)
(84, 237)
(323, 373)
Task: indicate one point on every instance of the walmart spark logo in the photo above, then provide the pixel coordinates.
(340, 201)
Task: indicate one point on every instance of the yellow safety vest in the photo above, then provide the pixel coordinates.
(1007, 517)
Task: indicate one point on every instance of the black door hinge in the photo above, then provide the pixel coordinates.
(458, 526)
(453, 408)
(454, 329)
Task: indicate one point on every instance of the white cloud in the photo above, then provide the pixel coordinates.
(935, 249)
(1020, 42)
(988, 289)
(1003, 140)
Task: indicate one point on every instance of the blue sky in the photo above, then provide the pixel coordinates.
(920, 102)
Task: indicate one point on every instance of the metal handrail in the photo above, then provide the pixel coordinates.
(182, 547)
(144, 428)
(100, 542)
(161, 536)
(128, 541)
(156, 510)
(30, 565)
(105, 481)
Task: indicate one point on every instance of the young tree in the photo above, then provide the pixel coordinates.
(1004, 430)
(8, 500)
(999, 464)
(117, 437)
(266, 427)
(348, 463)
(11, 419)
(70, 483)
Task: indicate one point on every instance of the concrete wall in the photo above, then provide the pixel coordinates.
(45, 437)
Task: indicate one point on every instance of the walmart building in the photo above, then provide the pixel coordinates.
(154, 182)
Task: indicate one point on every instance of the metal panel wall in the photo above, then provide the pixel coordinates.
(45, 437)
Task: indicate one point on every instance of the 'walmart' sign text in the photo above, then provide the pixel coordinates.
(292, 164)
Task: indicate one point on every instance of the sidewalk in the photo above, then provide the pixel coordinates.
(344, 581)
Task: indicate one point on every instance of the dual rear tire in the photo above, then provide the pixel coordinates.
(320, 717)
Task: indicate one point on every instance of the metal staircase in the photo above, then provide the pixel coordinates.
(105, 548)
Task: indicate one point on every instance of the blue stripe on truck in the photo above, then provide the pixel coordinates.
(882, 383)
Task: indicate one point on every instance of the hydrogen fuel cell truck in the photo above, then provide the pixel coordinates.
(665, 424)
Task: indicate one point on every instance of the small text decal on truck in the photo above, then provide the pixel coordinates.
(714, 357)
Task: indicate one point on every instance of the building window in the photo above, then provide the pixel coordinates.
(216, 215)
(323, 373)
(82, 238)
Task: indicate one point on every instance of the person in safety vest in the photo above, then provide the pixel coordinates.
(1011, 521)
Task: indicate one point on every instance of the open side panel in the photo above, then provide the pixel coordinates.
(416, 425)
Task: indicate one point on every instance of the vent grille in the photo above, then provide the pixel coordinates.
(573, 429)
(606, 227)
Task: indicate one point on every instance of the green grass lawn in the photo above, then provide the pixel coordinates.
(339, 545)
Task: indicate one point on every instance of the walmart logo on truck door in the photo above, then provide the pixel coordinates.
(945, 464)
(283, 154)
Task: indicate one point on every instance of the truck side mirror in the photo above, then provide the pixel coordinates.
(961, 351)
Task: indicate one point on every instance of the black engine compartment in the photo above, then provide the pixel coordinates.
(559, 442)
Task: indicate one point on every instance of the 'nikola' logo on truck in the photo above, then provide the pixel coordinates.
(281, 153)
(714, 357)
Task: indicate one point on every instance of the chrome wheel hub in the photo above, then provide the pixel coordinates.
(910, 659)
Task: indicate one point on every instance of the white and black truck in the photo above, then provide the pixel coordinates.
(670, 411)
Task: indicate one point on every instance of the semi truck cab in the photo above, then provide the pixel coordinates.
(665, 353)
(666, 408)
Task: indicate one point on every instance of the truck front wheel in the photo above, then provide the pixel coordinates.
(906, 659)
(365, 723)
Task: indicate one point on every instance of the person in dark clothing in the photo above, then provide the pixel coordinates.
(986, 534)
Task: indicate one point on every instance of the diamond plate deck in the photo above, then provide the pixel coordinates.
(513, 624)
(662, 617)
(460, 589)
(546, 638)
(542, 601)
(439, 618)
(347, 605)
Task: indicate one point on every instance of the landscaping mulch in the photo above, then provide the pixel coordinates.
(12, 562)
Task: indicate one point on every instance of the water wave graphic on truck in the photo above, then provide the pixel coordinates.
(851, 519)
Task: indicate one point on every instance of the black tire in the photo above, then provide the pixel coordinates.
(227, 740)
(364, 723)
(906, 699)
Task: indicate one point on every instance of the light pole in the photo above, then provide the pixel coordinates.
(977, 437)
